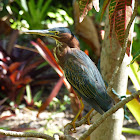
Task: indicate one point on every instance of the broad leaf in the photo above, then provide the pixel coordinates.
(135, 57)
(87, 5)
(134, 75)
(120, 12)
(134, 107)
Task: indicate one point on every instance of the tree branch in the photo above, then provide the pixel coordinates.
(122, 54)
(67, 136)
(25, 134)
(108, 113)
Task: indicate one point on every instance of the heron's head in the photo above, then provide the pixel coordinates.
(62, 36)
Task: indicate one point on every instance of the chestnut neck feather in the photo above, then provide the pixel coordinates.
(69, 42)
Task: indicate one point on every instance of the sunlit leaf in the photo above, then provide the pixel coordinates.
(87, 5)
(131, 131)
(120, 12)
(135, 57)
(112, 8)
(41, 43)
(134, 75)
(134, 107)
(29, 94)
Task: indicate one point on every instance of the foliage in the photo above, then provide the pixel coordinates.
(85, 6)
(134, 105)
(3, 10)
(57, 18)
(131, 131)
(136, 41)
(37, 15)
(48, 56)
(33, 12)
(20, 70)
(61, 105)
(19, 75)
(136, 57)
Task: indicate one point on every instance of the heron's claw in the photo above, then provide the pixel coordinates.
(73, 125)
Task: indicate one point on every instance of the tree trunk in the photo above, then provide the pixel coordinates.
(111, 128)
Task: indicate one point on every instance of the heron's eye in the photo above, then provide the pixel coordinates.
(56, 32)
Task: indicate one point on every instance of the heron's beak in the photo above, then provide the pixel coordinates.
(53, 34)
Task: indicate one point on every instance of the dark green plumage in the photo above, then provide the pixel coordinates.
(86, 80)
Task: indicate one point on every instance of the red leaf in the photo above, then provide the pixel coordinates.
(30, 67)
(5, 117)
(87, 5)
(120, 12)
(13, 76)
(23, 81)
(14, 66)
(41, 43)
(47, 55)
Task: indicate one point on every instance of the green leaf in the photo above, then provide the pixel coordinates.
(32, 9)
(134, 75)
(134, 107)
(39, 4)
(135, 56)
(44, 9)
(38, 95)
(24, 5)
(29, 94)
(131, 131)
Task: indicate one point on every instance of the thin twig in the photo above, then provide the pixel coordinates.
(25, 134)
(108, 113)
(122, 54)
(25, 48)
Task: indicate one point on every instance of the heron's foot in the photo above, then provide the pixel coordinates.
(88, 116)
(73, 125)
(76, 117)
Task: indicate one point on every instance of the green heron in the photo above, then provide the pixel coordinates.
(79, 69)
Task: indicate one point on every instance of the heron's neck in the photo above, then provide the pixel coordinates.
(61, 52)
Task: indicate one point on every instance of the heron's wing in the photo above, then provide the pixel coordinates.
(83, 75)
